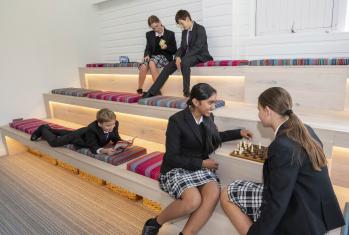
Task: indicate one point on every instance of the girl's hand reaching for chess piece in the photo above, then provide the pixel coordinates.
(210, 164)
(246, 134)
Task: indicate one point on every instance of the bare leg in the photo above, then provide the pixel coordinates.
(189, 202)
(142, 75)
(210, 196)
(154, 70)
(241, 222)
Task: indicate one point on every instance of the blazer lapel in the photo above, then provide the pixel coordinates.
(192, 124)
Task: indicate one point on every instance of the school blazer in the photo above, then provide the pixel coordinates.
(170, 39)
(197, 44)
(93, 137)
(296, 198)
(184, 144)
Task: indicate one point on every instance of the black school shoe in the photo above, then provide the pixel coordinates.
(37, 133)
(140, 91)
(151, 227)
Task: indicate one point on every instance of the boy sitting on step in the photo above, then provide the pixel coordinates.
(96, 135)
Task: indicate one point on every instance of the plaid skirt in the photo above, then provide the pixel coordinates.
(177, 180)
(159, 60)
(247, 196)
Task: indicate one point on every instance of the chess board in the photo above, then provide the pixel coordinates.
(250, 152)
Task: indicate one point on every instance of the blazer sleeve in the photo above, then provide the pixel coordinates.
(179, 52)
(200, 42)
(116, 137)
(173, 149)
(172, 44)
(230, 135)
(92, 140)
(281, 182)
(147, 51)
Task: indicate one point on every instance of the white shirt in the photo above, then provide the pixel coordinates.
(200, 121)
(277, 129)
(159, 34)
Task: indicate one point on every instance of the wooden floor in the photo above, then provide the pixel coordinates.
(39, 198)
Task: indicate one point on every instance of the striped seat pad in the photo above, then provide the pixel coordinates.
(113, 65)
(147, 165)
(220, 63)
(80, 92)
(130, 153)
(172, 102)
(309, 61)
(124, 97)
(30, 125)
(116, 159)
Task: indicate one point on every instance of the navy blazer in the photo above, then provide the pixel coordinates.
(184, 144)
(197, 44)
(296, 198)
(170, 39)
(94, 138)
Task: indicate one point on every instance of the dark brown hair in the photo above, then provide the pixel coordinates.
(280, 101)
(153, 19)
(182, 15)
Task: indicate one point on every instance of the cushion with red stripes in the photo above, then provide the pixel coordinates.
(124, 97)
(147, 165)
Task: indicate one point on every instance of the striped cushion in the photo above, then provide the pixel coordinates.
(81, 92)
(147, 165)
(171, 102)
(213, 63)
(319, 61)
(128, 154)
(30, 125)
(124, 97)
(113, 65)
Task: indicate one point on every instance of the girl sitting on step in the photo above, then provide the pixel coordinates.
(187, 172)
(296, 196)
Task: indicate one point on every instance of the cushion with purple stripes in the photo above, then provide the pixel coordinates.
(130, 153)
(172, 102)
(124, 97)
(220, 63)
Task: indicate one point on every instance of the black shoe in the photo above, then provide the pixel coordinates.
(37, 133)
(140, 91)
(151, 227)
(147, 95)
(186, 94)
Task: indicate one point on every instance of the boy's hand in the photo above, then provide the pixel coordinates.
(178, 63)
(108, 151)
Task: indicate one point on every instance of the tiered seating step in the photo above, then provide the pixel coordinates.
(132, 152)
(206, 64)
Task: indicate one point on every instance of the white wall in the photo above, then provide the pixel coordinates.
(314, 44)
(123, 25)
(42, 44)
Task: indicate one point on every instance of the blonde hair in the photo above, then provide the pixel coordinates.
(280, 101)
(105, 115)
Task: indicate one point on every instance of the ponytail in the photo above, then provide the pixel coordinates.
(280, 101)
